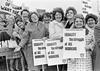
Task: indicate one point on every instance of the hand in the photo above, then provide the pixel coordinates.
(17, 49)
(44, 38)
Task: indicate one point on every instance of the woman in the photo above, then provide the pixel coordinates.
(56, 30)
(46, 20)
(69, 16)
(25, 16)
(21, 37)
(6, 30)
(97, 48)
(91, 21)
(36, 31)
(56, 26)
(80, 64)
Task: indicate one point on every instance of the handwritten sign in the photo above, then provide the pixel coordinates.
(74, 43)
(86, 7)
(54, 52)
(39, 52)
(8, 7)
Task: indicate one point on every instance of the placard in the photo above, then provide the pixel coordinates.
(74, 43)
(39, 52)
(54, 49)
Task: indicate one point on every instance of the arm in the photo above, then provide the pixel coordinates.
(97, 34)
(51, 30)
(24, 40)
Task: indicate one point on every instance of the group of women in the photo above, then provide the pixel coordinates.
(28, 26)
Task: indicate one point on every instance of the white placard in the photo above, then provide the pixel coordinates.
(86, 7)
(54, 49)
(12, 44)
(8, 7)
(39, 52)
(4, 44)
(74, 43)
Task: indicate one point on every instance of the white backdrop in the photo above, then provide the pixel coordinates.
(50, 4)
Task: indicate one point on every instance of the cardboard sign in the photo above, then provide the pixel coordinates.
(86, 7)
(74, 43)
(54, 49)
(12, 44)
(39, 52)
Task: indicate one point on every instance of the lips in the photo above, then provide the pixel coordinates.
(5, 25)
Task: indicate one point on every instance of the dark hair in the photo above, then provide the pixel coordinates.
(91, 16)
(70, 8)
(24, 10)
(81, 17)
(31, 15)
(19, 20)
(60, 10)
(47, 14)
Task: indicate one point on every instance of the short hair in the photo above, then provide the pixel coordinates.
(19, 20)
(31, 15)
(24, 10)
(91, 16)
(60, 10)
(47, 14)
(70, 8)
(81, 17)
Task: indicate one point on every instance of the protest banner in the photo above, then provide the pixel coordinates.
(39, 52)
(8, 7)
(54, 52)
(86, 7)
(74, 43)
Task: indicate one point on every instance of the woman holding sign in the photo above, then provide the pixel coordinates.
(91, 21)
(36, 31)
(80, 64)
(56, 30)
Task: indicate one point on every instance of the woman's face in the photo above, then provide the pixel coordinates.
(79, 23)
(25, 16)
(58, 16)
(34, 18)
(46, 19)
(91, 22)
(21, 24)
(70, 14)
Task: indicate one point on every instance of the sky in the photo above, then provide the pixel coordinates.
(50, 4)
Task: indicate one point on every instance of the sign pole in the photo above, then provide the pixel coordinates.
(43, 68)
(57, 68)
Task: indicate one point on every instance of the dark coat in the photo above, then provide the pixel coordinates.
(97, 48)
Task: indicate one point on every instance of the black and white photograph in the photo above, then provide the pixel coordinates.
(49, 35)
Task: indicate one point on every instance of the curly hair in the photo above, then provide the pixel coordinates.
(70, 8)
(60, 10)
(47, 14)
(25, 11)
(31, 15)
(81, 17)
(91, 16)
